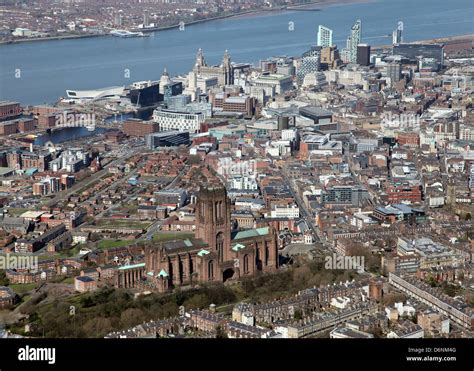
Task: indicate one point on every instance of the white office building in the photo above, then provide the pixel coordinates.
(181, 121)
(285, 211)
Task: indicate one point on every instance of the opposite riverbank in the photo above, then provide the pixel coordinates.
(301, 7)
(438, 40)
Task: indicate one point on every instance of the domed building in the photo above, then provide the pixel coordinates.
(164, 80)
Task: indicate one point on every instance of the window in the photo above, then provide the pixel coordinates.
(210, 270)
(220, 245)
(246, 264)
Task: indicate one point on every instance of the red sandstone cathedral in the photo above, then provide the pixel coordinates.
(216, 254)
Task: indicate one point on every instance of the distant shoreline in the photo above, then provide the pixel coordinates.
(434, 40)
(310, 5)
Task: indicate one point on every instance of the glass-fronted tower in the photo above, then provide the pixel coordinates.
(324, 37)
(310, 63)
(349, 54)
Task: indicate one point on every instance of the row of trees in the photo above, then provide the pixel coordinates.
(98, 313)
(95, 314)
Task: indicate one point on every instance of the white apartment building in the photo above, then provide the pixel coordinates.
(279, 148)
(243, 183)
(324, 37)
(466, 133)
(288, 211)
(181, 121)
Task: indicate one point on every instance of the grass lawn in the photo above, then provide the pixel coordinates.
(47, 257)
(21, 288)
(17, 211)
(108, 244)
(25, 298)
(163, 236)
(122, 223)
(132, 209)
(71, 252)
(68, 281)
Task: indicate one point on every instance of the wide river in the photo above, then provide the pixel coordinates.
(40, 72)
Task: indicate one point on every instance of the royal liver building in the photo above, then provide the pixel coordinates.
(224, 72)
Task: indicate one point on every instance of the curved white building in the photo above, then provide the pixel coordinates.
(110, 92)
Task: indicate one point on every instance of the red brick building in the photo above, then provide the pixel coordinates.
(399, 193)
(8, 298)
(8, 127)
(43, 110)
(47, 121)
(25, 125)
(9, 110)
(139, 128)
(408, 139)
(85, 284)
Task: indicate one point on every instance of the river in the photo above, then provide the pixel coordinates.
(66, 134)
(40, 72)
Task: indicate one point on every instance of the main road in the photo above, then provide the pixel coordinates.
(307, 215)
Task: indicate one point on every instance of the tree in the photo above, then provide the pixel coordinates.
(131, 317)
(220, 333)
(448, 289)
(97, 327)
(298, 315)
(470, 299)
(94, 237)
(392, 298)
(432, 281)
(4, 281)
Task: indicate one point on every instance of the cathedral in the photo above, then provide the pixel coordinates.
(215, 254)
(224, 72)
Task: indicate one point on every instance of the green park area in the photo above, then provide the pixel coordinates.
(110, 244)
(122, 223)
(17, 211)
(21, 288)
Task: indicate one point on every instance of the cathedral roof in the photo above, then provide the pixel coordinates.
(187, 244)
(251, 233)
(238, 246)
(203, 252)
(124, 267)
(163, 273)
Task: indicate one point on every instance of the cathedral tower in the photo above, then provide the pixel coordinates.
(213, 223)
